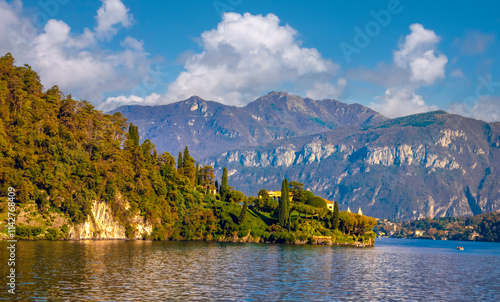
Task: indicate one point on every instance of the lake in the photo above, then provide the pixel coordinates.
(394, 270)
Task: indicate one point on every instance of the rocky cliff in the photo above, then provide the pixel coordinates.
(427, 165)
(101, 224)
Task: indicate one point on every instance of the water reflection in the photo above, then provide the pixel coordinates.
(145, 270)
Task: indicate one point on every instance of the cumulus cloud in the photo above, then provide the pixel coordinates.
(486, 109)
(417, 54)
(75, 62)
(400, 102)
(327, 90)
(247, 55)
(109, 15)
(416, 63)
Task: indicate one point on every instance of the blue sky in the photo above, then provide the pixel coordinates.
(398, 57)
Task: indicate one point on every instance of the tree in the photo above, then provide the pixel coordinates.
(263, 194)
(188, 166)
(241, 217)
(207, 176)
(197, 178)
(336, 218)
(217, 186)
(284, 204)
(224, 186)
(179, 161)
(348, 222)
(236, 196)
(133, 131)
(166, 159)
(296, 190)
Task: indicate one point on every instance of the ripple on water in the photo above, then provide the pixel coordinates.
(144, 270)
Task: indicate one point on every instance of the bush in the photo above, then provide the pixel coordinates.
(52, 234)
(65, 229)
(256, 233)
(283, 237)
(28, 232)
(266, 235)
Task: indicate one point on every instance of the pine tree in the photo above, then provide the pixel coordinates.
(336, 217)
(224, 187)
(283, 204)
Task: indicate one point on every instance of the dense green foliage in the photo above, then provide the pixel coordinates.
(62, 155)
(416, 120)
(133, 132)
(317, 202)
(482, 227)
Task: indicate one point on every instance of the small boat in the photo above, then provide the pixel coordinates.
(460, 248)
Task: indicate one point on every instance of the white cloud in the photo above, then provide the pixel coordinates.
(115, 102)
(487, 109)
(417, 53)
(75, 62)
(326, 90)
(416, 63)
(132, 43)
(247, 55)
(109, 15)
(400, 102)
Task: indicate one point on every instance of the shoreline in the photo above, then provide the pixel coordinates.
(297, 242)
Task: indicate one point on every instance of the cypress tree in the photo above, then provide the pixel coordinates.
(188, 165)
(336, 217)
(133, 131)
(217, 187)
(224, 187)
(179, 161)
(288, 203)
(197, 177)
(283, 204)
(243, 213)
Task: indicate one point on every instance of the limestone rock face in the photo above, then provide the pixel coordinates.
(101, 224)
(427, 165)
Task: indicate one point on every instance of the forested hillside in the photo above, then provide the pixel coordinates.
(63, 158)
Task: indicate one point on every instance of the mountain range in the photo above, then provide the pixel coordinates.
(433, 164)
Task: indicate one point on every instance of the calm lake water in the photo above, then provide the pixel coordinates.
(394, 270)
